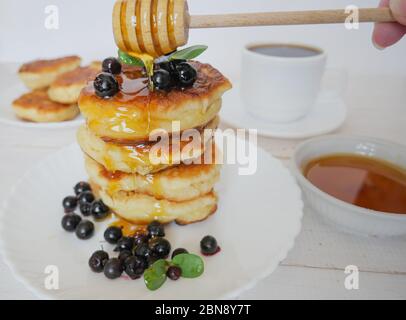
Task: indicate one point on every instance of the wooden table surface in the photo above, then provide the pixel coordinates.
(315, 266)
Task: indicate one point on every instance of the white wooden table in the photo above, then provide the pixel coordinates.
(315, 267)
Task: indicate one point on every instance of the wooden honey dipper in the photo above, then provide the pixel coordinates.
(157, 27)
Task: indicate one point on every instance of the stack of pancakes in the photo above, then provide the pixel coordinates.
(55, 85)
(122, 133)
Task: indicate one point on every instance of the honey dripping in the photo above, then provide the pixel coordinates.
(148, 62)
(128, 228)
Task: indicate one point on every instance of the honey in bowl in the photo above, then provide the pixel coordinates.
(360, 180)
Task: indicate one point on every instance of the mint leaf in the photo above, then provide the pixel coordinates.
(129, 60)
(192, 265)
(188, 53)
(155, 276)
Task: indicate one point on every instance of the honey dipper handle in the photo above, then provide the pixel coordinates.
(288, 18)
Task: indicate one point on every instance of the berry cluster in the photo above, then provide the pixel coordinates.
(135, 254)
(167, 75)
(88, 206)
(174, 74)
(105, 83)
(138, 253)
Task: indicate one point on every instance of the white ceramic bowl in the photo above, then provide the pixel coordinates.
(346, 216)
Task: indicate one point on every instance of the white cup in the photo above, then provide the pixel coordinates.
(281, 88)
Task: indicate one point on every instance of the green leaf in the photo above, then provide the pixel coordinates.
(129, 60)
(192, 265)
(188, 53)
(155, 276)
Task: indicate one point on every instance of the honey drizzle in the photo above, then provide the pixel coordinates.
(113, 187)
(128, 228)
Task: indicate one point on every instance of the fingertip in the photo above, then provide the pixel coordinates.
(377, 46)
(387, 34)
(377, 37)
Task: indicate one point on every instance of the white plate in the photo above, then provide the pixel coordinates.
(327, 115)
(258, 218)
(11, 88)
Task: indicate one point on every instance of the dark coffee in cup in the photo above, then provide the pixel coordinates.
(285, 51)
(280, 82)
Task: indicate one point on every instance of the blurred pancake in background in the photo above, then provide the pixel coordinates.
(40, 74)
(67, 87)
(35, 106)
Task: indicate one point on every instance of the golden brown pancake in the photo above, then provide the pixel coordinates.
(136, 158)
(37, 107)
(136, 111)
(142, 209)
(180, 183)
(66, 88)
(40, 74)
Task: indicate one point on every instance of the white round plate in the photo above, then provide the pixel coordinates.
(12, 88)
(257, 220)
(327, 115)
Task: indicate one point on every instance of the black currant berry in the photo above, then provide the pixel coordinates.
(161, 79)
(111, 65)
(105, 85)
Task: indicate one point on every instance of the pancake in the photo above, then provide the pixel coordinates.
(136, 158)
(142, 209)
(37, 107)
(66, 88)
(40, 74)
(180, 183)
(136, 111)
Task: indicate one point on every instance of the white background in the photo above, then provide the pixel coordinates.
(85, 29)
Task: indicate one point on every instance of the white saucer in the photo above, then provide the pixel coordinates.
(11, 88)
(254, 234)
(327, 115)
